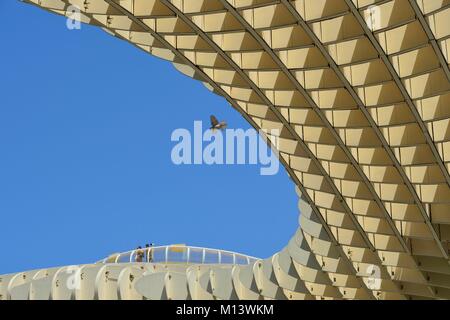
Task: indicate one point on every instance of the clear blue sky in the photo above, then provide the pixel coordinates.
(85, 167)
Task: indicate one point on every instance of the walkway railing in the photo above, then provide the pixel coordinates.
(180, 254)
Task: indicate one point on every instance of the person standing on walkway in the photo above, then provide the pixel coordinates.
(149, 252)
(139, 254)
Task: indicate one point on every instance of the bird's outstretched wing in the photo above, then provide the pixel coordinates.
(214, 121)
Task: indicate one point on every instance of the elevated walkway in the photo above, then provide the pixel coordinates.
(180, 254)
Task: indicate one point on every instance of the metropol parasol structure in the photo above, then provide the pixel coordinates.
(360, 93)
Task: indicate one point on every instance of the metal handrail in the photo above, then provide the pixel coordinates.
(187, 258)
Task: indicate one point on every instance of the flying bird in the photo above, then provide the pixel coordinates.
(216, 125)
